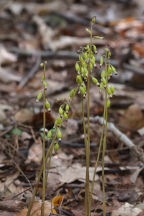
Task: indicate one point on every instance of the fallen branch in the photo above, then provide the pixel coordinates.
(68, 55)
(31, 73)
(122, 137)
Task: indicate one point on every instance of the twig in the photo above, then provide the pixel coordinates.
(68, 55)
(122, 137)
(31, 73)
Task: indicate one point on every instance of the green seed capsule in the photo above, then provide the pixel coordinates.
(59, 121)
(41, 64)
(56, 147)
(98, 37)
(109, 71)
(39, 96)
(113, 69)
(94, 80)
(91, 66)
(101, 86)
(85, 56)
(101, 61)
(108, 103)
(106, 49)
(109, 54)
(82, 90)
(104, 81)
(72, 93)
(108, 91)
(94, 48)
(84, 64)
(93, 20)
(84, 86)
(85, 72)
(77, 67)
(112, 89)
(88, 30)
(78, 79)
(67, 108)
(81, 59)
(65, 116)
(59, 134)
(60, 110)
(103, 74)
(49, 134)
(44, 84)
(47, 105)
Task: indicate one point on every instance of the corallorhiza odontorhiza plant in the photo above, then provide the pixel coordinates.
(85, 67)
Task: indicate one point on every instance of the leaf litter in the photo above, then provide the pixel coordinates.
(59, 26)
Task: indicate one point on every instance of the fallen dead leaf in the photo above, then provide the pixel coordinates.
(35, 152)
(24, 115)
(126, 210)
(36, 209)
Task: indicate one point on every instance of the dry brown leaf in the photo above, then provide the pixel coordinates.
(24, 115)
(126, 210)
(36, 209)
(35, 152)
(133, 117)
(6, 57)
(7, 76)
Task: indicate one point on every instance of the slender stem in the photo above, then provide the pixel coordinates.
(39, 176)
(104, 143)
(98, 156)
(44, 159)
(87, 194)
(85, 139)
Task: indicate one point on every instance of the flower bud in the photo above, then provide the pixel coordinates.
(60, 110)
(109, 71)
(39, 96)
(82, 90)
(49, 134)
(109, 54)
(65, 116)
(104, 81)
(59, 134)
(72, 93)
(77, 67)
(112, 89)
(78, 79)
(81, 59)
(48, 105)
(90, 66)
(108, 91)
(98, 37)
(88, 30)
(44, 84)
(101, 61)
(103, 74)
(41, 64)
(94, 48)
(113, 69)
(101, 86)
(93, 20)
(56, 147)
(67, 108)
(85, 56)
(108, 103)
(94, 80)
